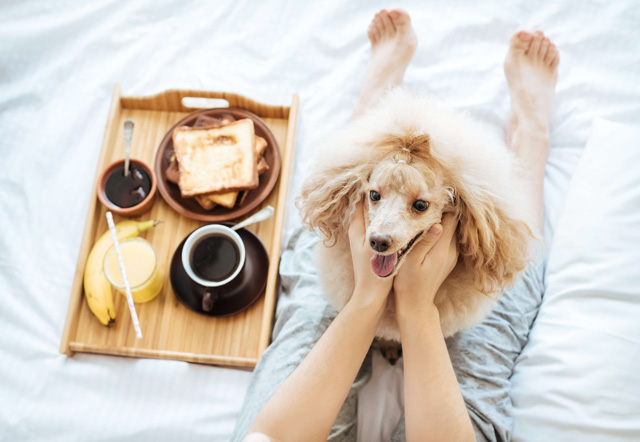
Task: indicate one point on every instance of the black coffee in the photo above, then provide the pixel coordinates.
(215, 257)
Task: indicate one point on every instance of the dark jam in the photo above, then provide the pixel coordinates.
(130, 190)
(215, 258)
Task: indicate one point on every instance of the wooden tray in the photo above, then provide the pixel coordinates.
(171, 331)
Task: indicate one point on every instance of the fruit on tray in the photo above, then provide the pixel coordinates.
(97, 288)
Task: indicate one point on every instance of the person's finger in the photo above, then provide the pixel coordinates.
(439, 246)
(425, 243)
(449, 225)
(450, 256)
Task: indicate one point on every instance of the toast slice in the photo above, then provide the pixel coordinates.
(262, 166)
(261, 145)
(229, 199)
(205, 202)
(216, 160)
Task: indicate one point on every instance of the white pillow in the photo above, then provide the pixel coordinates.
(578, 378)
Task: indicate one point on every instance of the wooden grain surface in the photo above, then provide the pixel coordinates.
(170, 330)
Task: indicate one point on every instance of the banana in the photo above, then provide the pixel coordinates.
(97, 288)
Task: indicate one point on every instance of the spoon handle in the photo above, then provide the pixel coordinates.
(128, 133)
(265, 213)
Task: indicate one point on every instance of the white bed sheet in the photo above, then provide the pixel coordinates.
(58, 63)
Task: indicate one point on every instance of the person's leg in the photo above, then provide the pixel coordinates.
(531, 68)
(393, 43)
(484, 356)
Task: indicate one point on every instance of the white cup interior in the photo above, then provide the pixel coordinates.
(207, 230)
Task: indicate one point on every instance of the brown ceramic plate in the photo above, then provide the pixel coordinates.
(234, 297)
(189, 207)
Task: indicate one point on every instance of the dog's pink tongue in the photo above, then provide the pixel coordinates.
(383, 265)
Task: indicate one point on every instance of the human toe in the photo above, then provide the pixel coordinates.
(376, 26)
(399, 18)
(377, 19)
(521, 40)
(387, 23)
(551, 52)
(536, 43)
(372, 35)
(544, 48)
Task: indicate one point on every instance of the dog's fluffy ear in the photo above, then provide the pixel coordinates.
(329, 197)
(493, 245)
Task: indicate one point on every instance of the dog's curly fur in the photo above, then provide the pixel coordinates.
(406, 148)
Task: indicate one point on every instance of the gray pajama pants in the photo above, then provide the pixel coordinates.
(483, 356)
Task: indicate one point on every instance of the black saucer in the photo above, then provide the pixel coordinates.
(234, 297)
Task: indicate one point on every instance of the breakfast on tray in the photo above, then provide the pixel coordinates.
(211, 166)
(217, 160)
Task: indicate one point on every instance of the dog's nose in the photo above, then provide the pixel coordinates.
(379, 242)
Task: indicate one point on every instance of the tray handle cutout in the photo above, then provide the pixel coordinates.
(204, 103)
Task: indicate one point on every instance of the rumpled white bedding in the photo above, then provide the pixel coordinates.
(58, 63)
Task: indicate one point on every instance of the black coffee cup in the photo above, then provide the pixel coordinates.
(213, 256)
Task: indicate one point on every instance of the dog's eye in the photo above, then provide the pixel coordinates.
(375, 196)
(420, 205)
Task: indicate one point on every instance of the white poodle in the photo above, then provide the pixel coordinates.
(411, 160)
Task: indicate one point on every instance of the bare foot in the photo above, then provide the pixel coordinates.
(531, 68)
(393, 43)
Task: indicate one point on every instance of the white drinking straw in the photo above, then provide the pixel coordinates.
(132, 307)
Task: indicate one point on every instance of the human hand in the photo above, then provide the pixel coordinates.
(427, 266)
(368, 284)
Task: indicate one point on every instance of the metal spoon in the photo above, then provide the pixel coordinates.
(265, 213)
(128, 133)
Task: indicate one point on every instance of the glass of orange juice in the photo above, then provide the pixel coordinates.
(141, 265)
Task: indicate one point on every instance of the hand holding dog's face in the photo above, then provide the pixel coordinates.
(426, 267)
